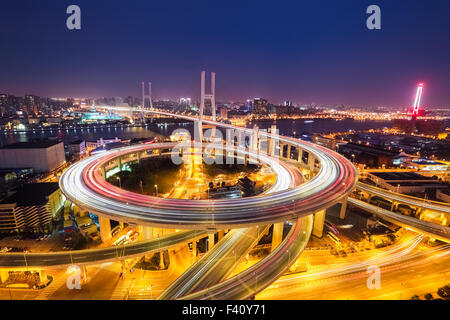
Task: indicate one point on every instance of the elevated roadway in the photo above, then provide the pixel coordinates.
(424, 227)
(84, 185)
(217, 264)
(435, 206)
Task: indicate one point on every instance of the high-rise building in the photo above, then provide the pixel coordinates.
(3, 104)
(249, 105)
(224, 113)
(3, 100)
(32, 206)
(31, 100)
(260, 106)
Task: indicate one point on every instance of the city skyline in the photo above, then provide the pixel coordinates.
(224, 151)
(304, 53)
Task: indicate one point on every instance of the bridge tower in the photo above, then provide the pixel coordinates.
(144, 97)
(204, 96)
(416, 105)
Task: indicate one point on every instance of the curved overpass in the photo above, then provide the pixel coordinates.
(96, 256)
(83, 184)
(248, 283)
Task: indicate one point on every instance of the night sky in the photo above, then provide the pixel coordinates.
(306, 51)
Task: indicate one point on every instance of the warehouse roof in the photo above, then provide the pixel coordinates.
(38, 144)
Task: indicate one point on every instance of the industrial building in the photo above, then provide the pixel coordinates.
(369, 156)
(324, 141)
(41, 155)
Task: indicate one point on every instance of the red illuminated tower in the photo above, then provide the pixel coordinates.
(416, 106)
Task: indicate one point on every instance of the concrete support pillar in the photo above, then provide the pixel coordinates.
(105, 228)
(230, 147)
(103, 171)
(43, 276)
(194, 248)
(311, 161)
(300, 153)
(288, 155)
(213, 133)
(319, 220)
(255, 139)
(220, 235)
(277, 234)
(159, 232)
(281, 145)
(83, 274)
(147, 233)
(138, 156)
(4, 275)
(119, 163)
(210, 240)
(271, 143)
(76, 211)
(269, 146)
(240, 140)
(161, 259)
(343, 209)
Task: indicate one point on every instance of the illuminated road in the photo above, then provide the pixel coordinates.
(95, 256)
(83, 184)
(217, 264)
(406, 269)
(259, 276)
(433, 230)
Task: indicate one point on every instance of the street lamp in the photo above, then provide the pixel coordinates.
(156, 187)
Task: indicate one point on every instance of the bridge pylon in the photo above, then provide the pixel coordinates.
(144, 97)
(204, 96)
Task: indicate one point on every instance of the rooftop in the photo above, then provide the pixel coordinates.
(32, 194)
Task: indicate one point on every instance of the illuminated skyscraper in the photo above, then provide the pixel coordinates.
(416, 106)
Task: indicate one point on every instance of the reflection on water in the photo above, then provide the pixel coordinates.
(285, 126)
